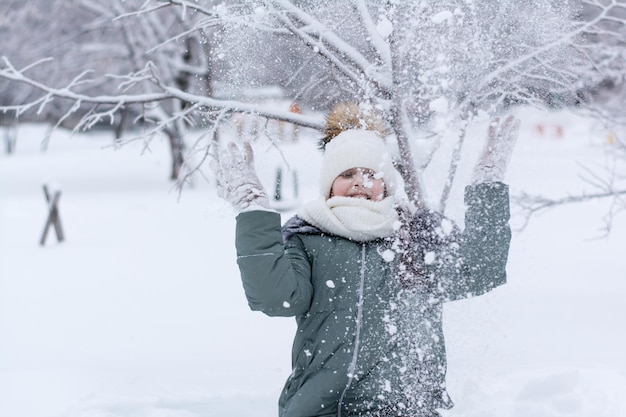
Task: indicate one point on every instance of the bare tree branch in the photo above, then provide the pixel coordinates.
(533, 204)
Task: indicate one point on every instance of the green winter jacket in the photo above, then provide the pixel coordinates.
(365, 344)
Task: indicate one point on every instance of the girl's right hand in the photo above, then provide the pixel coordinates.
(237, 181)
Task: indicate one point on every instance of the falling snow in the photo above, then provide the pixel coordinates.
(443, 16)
(439, 105)
(117, 321)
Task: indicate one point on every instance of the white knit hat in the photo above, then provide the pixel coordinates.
(357, 148)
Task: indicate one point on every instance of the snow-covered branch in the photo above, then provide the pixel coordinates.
(430, 67)
(326, 42)
(10, 73)
(167, 92)
(379, 44)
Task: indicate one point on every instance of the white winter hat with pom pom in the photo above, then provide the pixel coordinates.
(357, 148)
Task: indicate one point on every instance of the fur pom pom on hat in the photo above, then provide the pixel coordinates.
(354, 139)
(348, 116)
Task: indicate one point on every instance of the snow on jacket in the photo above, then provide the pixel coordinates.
(365, 344)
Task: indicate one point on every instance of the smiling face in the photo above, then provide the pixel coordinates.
(359, 183)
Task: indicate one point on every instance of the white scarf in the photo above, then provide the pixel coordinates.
(353, 218)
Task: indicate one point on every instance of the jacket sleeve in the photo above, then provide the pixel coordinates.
(475, 263)
(276, 278)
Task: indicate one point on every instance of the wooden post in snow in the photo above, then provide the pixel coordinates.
(53, 216)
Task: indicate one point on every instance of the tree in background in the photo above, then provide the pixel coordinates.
(159, 44)
(26, 35)
(431, 68)
(93, 58)
(601, 92)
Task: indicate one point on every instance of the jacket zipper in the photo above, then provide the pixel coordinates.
(357, 333)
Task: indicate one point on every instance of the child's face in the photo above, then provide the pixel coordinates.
(359, 183)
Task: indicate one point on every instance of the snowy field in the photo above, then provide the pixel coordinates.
(140, 312)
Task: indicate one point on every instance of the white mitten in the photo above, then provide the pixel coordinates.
(496, 154)
(237, 181)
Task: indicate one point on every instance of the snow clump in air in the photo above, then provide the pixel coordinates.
(439, 105)
(387, 385)
(445, 229)
(259, 12)
(384, 27)
(388, 255)
(429, 257)
(441, 17)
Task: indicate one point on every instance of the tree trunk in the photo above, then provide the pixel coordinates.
(177, 149)
(10, 138)
(10, 132)
(119, 125)
(407, 164)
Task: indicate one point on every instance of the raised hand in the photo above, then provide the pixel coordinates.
(237, 181)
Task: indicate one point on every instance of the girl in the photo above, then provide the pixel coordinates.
(364, 274)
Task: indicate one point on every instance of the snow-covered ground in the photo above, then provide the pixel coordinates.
(140, 312)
